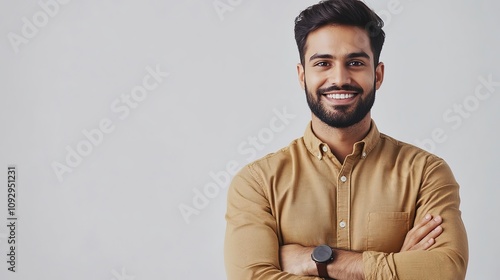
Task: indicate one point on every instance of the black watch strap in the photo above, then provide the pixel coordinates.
(322, 271)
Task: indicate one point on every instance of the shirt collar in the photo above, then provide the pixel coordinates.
(318, 148)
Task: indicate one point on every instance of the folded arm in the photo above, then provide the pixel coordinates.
(252, 245)
(296, 259)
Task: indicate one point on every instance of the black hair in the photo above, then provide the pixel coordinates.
(340, 12)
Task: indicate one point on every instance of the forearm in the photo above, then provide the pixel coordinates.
(296, 259)
(447, 259)
(346, 265)
(246, 263)
(369, 265)
(429, 252)
(263, 272)
(436, 264)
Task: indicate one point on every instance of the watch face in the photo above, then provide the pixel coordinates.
(322, 254)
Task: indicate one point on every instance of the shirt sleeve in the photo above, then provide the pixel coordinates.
(251, 245)
(448, 257)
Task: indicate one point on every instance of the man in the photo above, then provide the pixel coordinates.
(344, 201)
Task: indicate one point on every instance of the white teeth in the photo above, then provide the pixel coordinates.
(340, 96)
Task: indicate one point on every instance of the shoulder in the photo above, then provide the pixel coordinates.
(413, 156)
(390, 143)
(272, 162)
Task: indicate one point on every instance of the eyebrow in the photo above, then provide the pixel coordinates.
(329, 56)
(316, 56)
(358, 54)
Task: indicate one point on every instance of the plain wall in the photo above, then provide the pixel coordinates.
(167, 141)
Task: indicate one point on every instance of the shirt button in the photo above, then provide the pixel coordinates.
(324, 148)
(343, 179)
(342, 224)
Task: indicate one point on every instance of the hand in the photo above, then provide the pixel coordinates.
(296, 259)
(422, 236)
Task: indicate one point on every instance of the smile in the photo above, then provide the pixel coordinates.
(340, 95)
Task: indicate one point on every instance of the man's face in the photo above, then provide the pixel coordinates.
(339, 75)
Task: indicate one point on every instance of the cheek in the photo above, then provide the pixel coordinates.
(314, 81)
(367, 82)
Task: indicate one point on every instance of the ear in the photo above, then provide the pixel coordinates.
(379, 75)
(301, 73)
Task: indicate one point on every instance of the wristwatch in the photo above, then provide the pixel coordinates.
(322, 256)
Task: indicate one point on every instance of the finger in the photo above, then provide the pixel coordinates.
(423, 222)
(423, 230)
(430, 239)
(412, 238)
(428, 244)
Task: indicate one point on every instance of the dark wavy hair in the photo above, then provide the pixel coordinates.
(340, 12)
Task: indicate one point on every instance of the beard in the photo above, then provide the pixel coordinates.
(339, 116)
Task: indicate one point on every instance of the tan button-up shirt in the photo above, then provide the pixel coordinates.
(303, 195)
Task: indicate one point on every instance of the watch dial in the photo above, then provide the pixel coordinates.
(322, 253)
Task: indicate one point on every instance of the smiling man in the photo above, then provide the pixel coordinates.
(344, 201)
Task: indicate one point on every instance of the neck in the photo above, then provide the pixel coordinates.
(341, 140)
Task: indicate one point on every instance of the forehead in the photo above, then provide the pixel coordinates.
(337, 40)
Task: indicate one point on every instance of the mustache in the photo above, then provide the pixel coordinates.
(322, 91)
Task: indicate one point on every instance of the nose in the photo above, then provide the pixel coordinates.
(339, 75)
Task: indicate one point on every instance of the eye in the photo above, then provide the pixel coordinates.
(355, 63)
(322, 64)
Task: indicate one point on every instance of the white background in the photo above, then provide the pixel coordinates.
(116, 214)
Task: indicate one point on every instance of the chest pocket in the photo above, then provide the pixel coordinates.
(387, 231)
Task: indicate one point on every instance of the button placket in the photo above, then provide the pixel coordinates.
(343, 204)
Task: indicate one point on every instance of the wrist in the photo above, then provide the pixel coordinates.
(322, 256)
(310, 268)
(347, 264)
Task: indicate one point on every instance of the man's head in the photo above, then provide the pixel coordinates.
(339, 44)
(340, 12)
